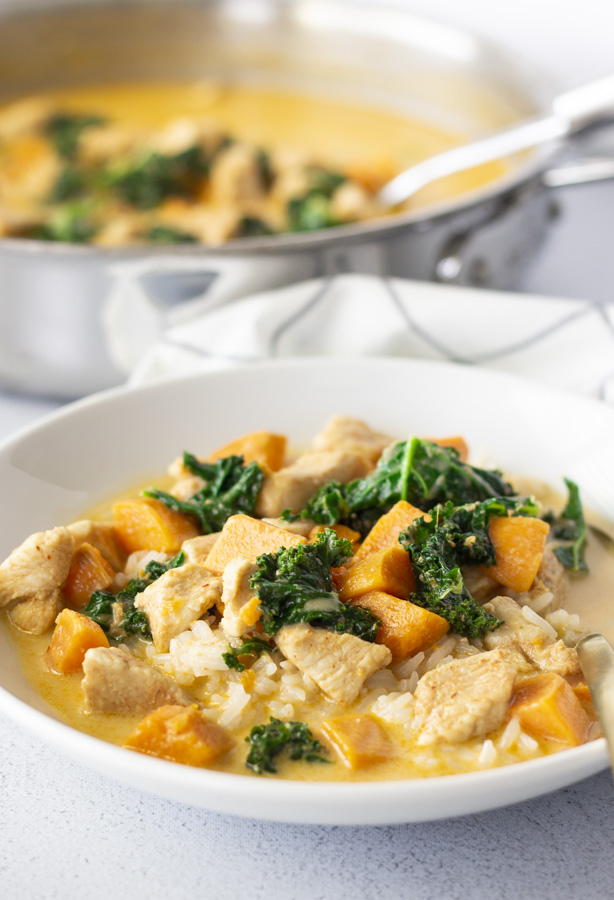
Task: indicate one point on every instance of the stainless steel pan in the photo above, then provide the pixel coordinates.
(74, 319)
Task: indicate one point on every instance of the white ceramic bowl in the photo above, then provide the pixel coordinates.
(52, 473)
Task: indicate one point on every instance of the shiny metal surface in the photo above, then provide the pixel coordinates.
(67, 313)
(597, 661)
(583, 107)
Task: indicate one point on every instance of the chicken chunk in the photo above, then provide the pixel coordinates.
(187, 486)
(465, 698)
(301, 526)
(347, 433)
(33, 575)
(551, 577)
(117, 682)
(520, 636)
(176, 600)
(352, 202)
(101, 144)
(236, 596)
(237, 175)
(291, 487)
(102, 536)
(338, 663)
(198, 549)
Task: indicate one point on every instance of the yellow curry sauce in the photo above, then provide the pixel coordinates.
(247, 161)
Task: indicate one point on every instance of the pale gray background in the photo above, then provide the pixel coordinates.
(67, 832)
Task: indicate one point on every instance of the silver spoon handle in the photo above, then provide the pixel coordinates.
(597, 661)
(571, 112)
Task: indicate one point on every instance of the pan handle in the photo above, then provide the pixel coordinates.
(584, 171)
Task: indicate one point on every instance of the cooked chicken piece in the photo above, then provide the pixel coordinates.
(236, 595)
(236, 176)
(290, 182)
(122, 228)
(198, 549)
(301, 526)
(210, 225)
(103, 537)
(187, 487)
(479, 584)
(338, 663)
(25, 116)
(115, 681)
(176, 600)
(100, 144)
(551, 577)
(291, 487)
(521, 635)
(347, 433)
(34, 574)
(465, 698)
(351, 202)
(37, 615)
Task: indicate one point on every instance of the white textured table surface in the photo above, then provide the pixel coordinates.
(67, 832)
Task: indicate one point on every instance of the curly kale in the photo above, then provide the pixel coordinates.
(65, 129)
(453, 536)
(100, 606)
(296, 585)
(251, 646)
(313, 209)
(71, 224)
(162, 234)
(421, 472)
(231, 487)
(570, 529)
(144, 183)
(268, 741)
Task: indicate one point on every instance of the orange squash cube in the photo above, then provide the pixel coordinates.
(457, 442)
(341, 531)
(583, 693)
(181, 734)
(89, 571)
(388, 570)
(73, 636)
(250, 538)
(385, 533)
(147, 524)
(547, 708)
(262, 447)
(519, 543)
(406, 628)
(360, 741)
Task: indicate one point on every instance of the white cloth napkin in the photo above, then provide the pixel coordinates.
(564, 343)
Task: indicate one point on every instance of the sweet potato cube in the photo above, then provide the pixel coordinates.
(341, 531)
(388, 570)
(385, 533)
(406, 628)
(73, 636)
(147, 524)
(583, 693)
(519, 544)
(259, 446)
(360, 741)
(547, 708)
(248, 538)
(89, 571)
(457, 442)
(181, 734)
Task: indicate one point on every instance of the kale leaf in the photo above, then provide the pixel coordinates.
(69, 185)
(268, 741)
(252, 646)
(453, 536)
(144, 183)
(421, 472)
(313, 209)
(162, 234)
(70, 224)
(65, 129)
(231, 487)
(100, 606)
(252, 226)
(296, 585)
(570, 528)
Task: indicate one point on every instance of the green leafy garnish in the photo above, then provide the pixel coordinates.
(133, 621)
(296, 585)
(453, 536)
(70, 224)
(70, 184)
(570, 528)
(250, 647)
(251, 226)
(64, 131)
(421, 472)
(313, 209)
(147, 181)
(231, 487)
(162, 234)
(268, 741)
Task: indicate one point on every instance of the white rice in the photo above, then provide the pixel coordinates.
(488, 754)
(510, 735)
(531, 616)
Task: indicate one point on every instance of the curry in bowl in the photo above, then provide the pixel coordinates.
(371, 609)
(203, 163)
